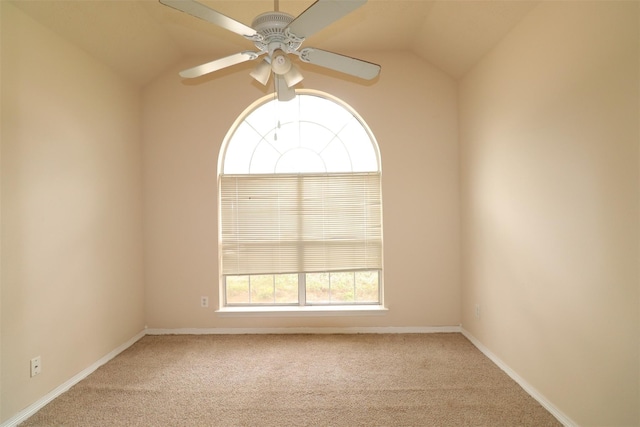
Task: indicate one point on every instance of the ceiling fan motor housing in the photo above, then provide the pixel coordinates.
(272, 27)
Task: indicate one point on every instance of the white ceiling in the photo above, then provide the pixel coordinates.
(139, 39)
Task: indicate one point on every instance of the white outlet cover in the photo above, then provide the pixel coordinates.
(36, 366)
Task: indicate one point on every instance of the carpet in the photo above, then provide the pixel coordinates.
(297, 380)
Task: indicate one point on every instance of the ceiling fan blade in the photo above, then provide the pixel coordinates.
(344, 64)
(201, 11)
(218, 64)
(320, 14)
(285, 93)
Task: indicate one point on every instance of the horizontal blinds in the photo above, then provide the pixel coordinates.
(300, 223)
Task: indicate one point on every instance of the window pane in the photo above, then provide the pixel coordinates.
(363, 156)
(330, 114)
(342, 287)
(300, 160)
(286, 288)
(336, 157)
(367, 286)
(237, 288)
(263, 118)
(237, 158)
(317, 288)
(262, 289)
(284, 137)
(264, 158)
(315, 137)
(360, 287)
(309, 122)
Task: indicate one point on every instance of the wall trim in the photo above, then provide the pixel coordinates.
(560, 416)
(40, 403)
(305, 330)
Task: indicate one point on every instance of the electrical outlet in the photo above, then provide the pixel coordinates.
(36, 366)
(477, 311)
(204, 302)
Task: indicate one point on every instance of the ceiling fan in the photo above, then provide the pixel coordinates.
(279, 35)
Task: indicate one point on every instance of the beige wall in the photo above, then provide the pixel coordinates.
(71, 210)
(548, 163)
(1, 109)
(411, 110)
(550, 189)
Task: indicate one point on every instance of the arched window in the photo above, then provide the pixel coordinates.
(300, 206)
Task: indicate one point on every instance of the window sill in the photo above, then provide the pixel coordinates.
(343, 310)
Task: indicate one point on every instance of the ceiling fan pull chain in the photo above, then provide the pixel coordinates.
(277, 117)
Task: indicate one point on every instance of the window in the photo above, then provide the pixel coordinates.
(300, 207)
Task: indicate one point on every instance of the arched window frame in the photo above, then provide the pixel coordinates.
(331, 180)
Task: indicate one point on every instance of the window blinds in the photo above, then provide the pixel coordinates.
(300, 223)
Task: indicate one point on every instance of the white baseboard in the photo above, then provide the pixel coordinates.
(563, 418)
(36, 406)
(354, 330)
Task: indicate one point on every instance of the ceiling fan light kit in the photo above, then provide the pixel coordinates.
(293, 76)
(279, 35)
(262, 72)
(279, 62)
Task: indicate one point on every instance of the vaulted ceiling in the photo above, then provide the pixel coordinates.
(139, 39)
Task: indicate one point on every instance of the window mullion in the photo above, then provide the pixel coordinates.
(273, 287)
(302, 289)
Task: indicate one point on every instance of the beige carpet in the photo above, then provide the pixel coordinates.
(297, 380)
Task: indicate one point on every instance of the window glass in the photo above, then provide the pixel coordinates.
(310, 134)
